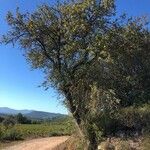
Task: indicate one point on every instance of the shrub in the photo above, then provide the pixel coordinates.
(136, 117)
(12, 135)
(9, 122)
(129, 121)
(55, 134)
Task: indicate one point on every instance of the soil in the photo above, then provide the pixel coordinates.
(50, 143)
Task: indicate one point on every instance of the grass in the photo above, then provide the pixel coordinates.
(42, 130)
(12, 135)
(26, 131)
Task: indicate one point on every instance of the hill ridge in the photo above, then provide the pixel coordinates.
(34, 114)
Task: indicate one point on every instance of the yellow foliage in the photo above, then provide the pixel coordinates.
(30, 24)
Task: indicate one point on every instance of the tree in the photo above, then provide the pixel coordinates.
(22, 119)
(1, 119)
(129, 62)
(122, 74)
(84, 51)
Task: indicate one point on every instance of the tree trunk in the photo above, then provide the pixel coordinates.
(92, 143)
(91, 146)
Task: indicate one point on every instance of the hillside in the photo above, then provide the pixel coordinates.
(32, 114)
(6, 110)
(43, 115)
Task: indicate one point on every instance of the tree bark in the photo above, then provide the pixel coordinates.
(92, 147)
(92, 142)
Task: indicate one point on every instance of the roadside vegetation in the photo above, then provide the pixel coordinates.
(17, 131)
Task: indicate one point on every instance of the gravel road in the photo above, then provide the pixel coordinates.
(39, 144)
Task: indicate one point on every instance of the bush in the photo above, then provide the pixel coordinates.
(12, 135)
(55, 134)
(9, 122)
(136, 117)
(129, 121)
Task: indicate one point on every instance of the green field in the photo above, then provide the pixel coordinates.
(25, 131)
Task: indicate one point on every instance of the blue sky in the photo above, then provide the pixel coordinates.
(18, 84)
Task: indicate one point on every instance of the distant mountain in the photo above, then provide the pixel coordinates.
(32, 114)
(6, 110)
(43, 115)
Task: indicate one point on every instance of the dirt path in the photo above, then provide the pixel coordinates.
(39, 144)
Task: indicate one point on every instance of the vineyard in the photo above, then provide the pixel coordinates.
(27, 131)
